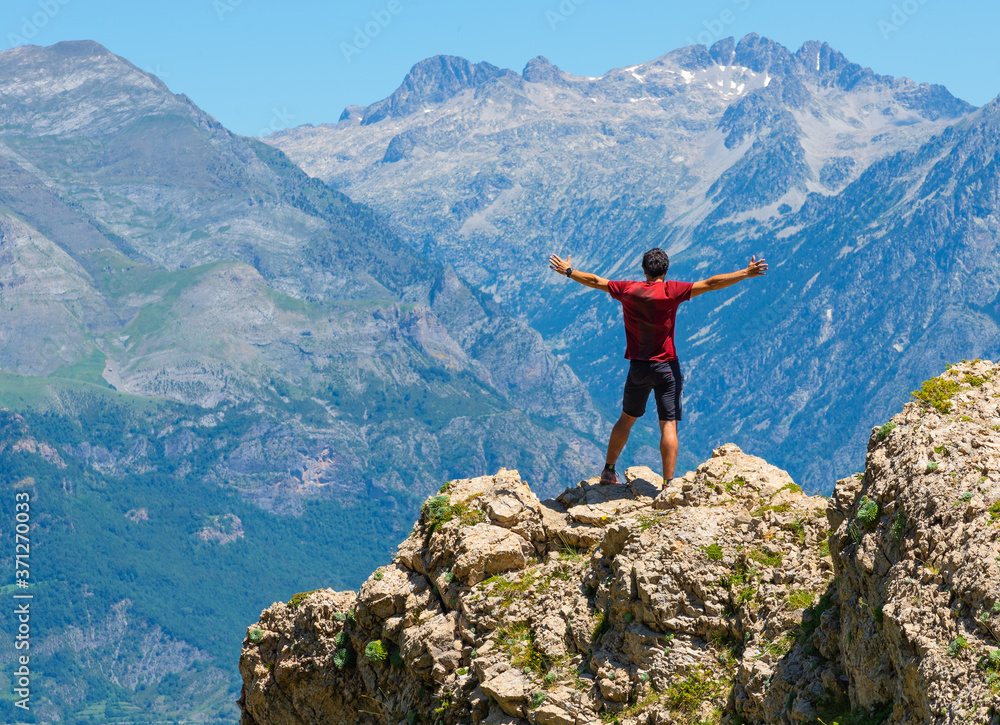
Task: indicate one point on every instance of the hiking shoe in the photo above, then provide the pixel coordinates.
(609, 477)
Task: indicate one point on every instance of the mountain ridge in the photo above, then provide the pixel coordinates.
(760, 54)
(712, 163)
(240, 368)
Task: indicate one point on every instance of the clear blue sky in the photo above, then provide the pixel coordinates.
(260, 64)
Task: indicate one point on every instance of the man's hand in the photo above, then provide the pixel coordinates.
(755, 268)
(556, 264)
(721, 281)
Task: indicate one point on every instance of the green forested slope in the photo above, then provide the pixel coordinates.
(141, 598)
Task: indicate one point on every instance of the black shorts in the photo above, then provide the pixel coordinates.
(664, 377)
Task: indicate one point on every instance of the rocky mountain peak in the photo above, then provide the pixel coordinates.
(723, 51)
(432, 81)
(819, 58)
(729, 595)
(539, 69)
(78, 48)
(74, 58)
(691, 57)
(76, 87)
(761, 55)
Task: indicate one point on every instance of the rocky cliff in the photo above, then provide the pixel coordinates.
(728, 597)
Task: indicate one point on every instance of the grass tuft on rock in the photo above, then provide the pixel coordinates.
(297, 599)
(713, 552)
(766, 559)
(995, 512)
(602, 623)
(800, 599)
(685, 695)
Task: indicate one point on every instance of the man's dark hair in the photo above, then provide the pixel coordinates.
(655, 262)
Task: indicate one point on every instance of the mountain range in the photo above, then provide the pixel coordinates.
(209, 357)
(183, 262)
(714, 154)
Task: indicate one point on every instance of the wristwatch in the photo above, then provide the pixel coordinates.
(569, 271)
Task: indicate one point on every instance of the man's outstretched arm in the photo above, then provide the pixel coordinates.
(585, 278)
(720, 281)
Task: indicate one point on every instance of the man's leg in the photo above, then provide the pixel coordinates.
(668, 447)
(634, 399)
(619, 437)
(668, 407)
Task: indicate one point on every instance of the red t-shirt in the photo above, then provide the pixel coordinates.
(649, 309)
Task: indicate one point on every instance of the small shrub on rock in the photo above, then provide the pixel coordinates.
(343, 657)
(885, 431)
(957, 646)
(993, 659)
(375, 651)
(297, 599)
(436, 510)
(898, 524)
(936, 393)
(868, 513)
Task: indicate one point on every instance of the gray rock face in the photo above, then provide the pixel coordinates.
(918, 558)
(565, 634)
(433, 81)
(842, 177)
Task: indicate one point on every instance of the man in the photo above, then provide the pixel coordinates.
(649, 309)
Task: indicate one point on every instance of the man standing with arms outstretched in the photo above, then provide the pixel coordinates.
(649, 309)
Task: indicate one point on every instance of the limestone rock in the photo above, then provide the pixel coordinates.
(881, 602)
(916, 550)
(508, 687)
